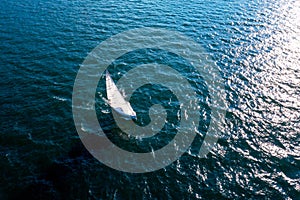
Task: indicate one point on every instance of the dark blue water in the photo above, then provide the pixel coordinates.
(256, 46)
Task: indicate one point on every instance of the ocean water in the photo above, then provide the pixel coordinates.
(256, 46)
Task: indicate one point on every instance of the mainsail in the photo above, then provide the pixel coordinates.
(116, 100)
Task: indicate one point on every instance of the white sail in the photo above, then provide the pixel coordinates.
(116, 100)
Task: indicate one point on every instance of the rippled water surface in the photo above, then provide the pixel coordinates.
(256, 46)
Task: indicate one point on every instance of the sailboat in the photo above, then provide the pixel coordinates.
(116, 101)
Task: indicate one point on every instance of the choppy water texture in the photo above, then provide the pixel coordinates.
(256, 45)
